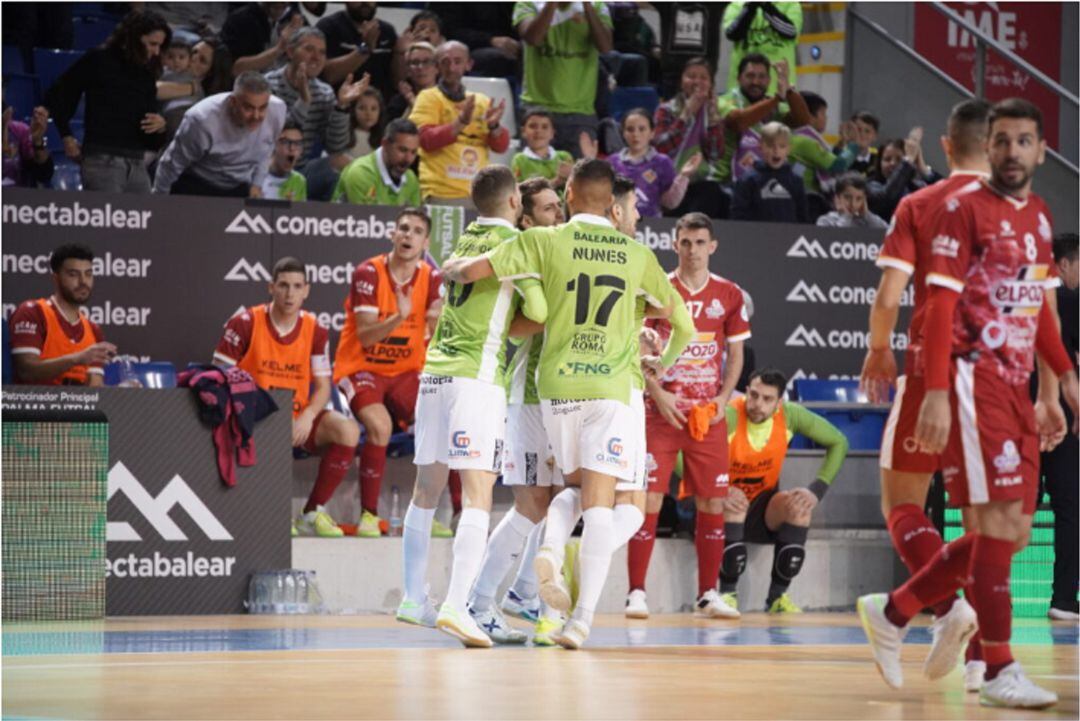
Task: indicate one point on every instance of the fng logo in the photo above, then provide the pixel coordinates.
(803, 338)
(245, 271)
(804, 248)
(156, 510)
(244, 223)
(807, 293)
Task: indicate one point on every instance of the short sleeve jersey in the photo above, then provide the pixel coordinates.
(470, 338)
(719, 313)
(560, 74)
(907, 247)
(591, 276)
(28, 328)
(366, 181)
(528, 164)
(996, 252)
(239, 329)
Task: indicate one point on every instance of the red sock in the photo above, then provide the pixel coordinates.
(934, 582)
(709, 542)
(916, 540)
(372, 464)
(455, 491)
(335, 463)
(639, 551)
(974, 650)
(991, 559)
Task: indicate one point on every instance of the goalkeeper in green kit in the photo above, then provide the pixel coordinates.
(591, 276)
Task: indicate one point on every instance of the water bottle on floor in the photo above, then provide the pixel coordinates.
(290, 592)
(395, 512)
(277, 595)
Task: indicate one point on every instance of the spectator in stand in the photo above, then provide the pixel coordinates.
(746, 107)
(283, 346)
(901, 171)
(658, 186)
(257, 35)
(210, 73)
(176, 58)
(282, 182)
(691, 123)
(810, 153)
(366, 123)
(541, 206)
(539, 159)
(1059, 466)
(769, 29)
(851, 208)
(866, 135)
(27, 162)
(488, 30)
(563, 44)
(687, 31)
(390, 313)
(357, 41)
(122, 120)
(424, 27)
(384, 177)
(635, 61)
(773, 193)
(52, 343)
(456, 130)
(224, 143)
(421, 73)
(313, 104)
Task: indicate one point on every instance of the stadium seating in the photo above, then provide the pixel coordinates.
(626, 99)
(21, 91)
(51, 64)
(12, 60)
(155, 374)
(837, 391)
(90, 32)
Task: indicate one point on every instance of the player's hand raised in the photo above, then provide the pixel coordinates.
(932, 428)
(878, 374)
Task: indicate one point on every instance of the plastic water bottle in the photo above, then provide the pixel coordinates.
(277, 595)
(395, 512)
(128, 377)
(290, 592)
(302, 605)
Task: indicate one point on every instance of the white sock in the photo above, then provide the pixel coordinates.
(628, 519)
(469, 544)
(597, 545)
(415, 541)
(526, 585)
(503, 549)
(562, 516)
(550, 613)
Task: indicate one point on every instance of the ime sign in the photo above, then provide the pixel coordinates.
(1031, 30)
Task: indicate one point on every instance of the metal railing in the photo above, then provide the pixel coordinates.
(982, 41)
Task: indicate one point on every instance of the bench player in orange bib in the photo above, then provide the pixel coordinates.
(685, 412)
(283, 346)
(393, 304)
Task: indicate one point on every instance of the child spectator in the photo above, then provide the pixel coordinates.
(866, 134)
(366, 123)
(539, 159)
(283, 182)
(810, 153)
(772, 192)
(425, 27)
(653, 173)
(850, 202)
(177, 57)
(27, 161)
(901, 170)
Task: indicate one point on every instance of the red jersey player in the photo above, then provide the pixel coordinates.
(52, 343)
(283, 346)
(906, 469)
(989, 270)
(695, 389)
(394, 301)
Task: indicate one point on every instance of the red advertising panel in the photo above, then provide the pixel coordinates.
(1031, 30)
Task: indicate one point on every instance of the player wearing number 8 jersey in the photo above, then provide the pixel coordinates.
(591, 275)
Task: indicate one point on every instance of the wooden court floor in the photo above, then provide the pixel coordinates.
(813, 666)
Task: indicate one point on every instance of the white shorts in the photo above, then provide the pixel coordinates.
(460, 422)
(637, 404)
(528, 460)
(600, 435)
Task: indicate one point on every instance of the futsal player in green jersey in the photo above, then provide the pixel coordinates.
(590, 274)
(461, 412)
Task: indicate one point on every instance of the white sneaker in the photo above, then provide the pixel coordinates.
(885, 638)
(951, 633)
(526, 608)
(461, 626)
(419, 614)
(573, 635)
(974, 676)
(1012, 689)
(1060, 614)
(710, 605)
(492, 622)
(553, 590)
(636, 607)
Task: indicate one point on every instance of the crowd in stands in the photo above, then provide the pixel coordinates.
(301, 101)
